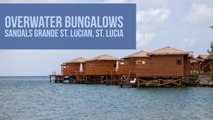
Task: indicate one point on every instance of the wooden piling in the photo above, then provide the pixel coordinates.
(50, 78)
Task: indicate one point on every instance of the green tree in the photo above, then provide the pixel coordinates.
(210, 57)
(211, 49)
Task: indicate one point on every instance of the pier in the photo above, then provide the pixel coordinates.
(60, 79)
(129, 81)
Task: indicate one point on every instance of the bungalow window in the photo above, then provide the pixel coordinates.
(65, 66)
(122, 63)
(89, 65)
(140, 62)
(178, 62)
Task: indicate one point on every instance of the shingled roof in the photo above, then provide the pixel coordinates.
(191, 54)
(193, 60)
(138, 54)
(76, 60)
(104, 57)
(203, 56)
(168, 51)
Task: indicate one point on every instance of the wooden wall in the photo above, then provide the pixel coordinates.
(126, 66)
(201, 66)
(130, 65)
(100, 67)
(71, 69)
(156, 66)
(187, 67)
(196, 66)
(161, 66)
(206, 67)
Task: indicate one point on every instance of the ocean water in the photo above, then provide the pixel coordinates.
(34, 98)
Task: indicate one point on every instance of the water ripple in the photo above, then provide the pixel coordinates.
(34, 98)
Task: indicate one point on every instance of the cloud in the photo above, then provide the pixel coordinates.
(199, 13)
(143, 39)
(139, 17)
(189, 42)
(158, 15)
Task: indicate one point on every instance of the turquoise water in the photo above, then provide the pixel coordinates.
(34, 98)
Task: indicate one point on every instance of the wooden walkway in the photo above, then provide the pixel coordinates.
(129, 81)
(160, 83)
(60, 79)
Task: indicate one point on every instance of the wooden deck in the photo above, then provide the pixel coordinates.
(117, 80)
(160, 82)
(61, 78)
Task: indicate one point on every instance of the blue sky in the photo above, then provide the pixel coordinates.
(183, 24)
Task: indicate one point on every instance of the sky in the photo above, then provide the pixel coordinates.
(183, 24)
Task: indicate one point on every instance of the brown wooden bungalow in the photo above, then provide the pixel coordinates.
(204, 61)
(127, 65)
(155, 67)
(169, 65)
(201, 64)
(196, 66)
(100, 68)
(70, 70)
(166, 62)
(73, 67)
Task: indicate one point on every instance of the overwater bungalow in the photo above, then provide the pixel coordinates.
(166, 66)
(74, 69)
(127, 65)
(101, 68)
(196, 66)
(166, 62)
(157, 67)
(205, 65)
